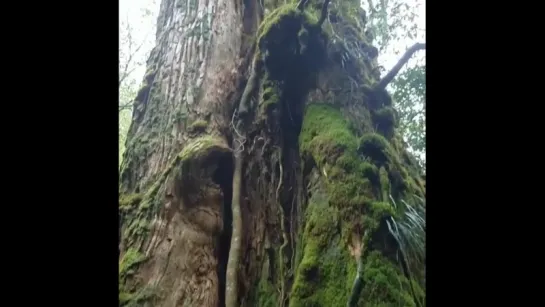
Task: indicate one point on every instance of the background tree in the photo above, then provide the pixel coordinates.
(395, 27)
(265, 165)
(136, 26)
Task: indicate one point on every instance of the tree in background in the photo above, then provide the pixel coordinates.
(134, 47)
(393, 23)
(265, 164)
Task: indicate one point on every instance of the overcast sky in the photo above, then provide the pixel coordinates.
(132, 9)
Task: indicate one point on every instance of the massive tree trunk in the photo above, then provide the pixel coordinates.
(261, 161)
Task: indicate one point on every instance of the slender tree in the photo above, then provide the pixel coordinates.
(263, 166)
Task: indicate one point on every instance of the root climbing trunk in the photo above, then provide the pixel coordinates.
(231, 291)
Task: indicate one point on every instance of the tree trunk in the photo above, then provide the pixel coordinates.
(290, 102)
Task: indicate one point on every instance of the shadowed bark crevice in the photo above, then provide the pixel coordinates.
(224, 177)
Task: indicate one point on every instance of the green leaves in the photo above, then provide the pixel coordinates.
(409, 90)
(397, 24)
(408, 228)
(393, 21)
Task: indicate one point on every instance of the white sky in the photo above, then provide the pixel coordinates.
(132, 9)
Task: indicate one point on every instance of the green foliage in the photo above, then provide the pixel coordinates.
(392, 21)
(394, 26)
(408, 227)
(410, 101)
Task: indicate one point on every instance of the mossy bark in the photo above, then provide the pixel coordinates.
(318, 151)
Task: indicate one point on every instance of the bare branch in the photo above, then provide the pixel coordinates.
(324, 13)
(126, 106)
(123, 74)
(127, 70)
(392, 73)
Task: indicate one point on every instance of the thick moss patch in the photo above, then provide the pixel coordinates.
(385, 121)
(326, 135)
(267, 294)
(327, 138)
(130, 296)
(325, 273)
(385, 285)
(359, 175)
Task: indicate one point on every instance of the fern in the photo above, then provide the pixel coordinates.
(408, 228)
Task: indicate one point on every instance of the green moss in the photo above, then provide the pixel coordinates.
(385, 284)
(384, 184)
(326, 137)
(325, 272)
(356, 173)
(130, 201)
(375, 212)
(270, 96)
(138, 220)
(266, 294)
(131, 258)
(380, 210)
(136, 298)
(398, 182)
(198, 126)
(326, 134)
(376, 147)
(273, 20)
(385, 121)
(281, 48)
(200, 147)
(132, 296)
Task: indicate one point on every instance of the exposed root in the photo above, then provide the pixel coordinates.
(245, 102)
(283, 229)
(231, 291)
(239, 139)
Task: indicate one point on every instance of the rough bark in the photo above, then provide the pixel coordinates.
(257, 160)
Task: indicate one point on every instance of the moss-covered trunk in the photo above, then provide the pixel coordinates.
(289, 97)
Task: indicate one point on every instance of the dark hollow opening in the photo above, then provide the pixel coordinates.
(224, 177)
